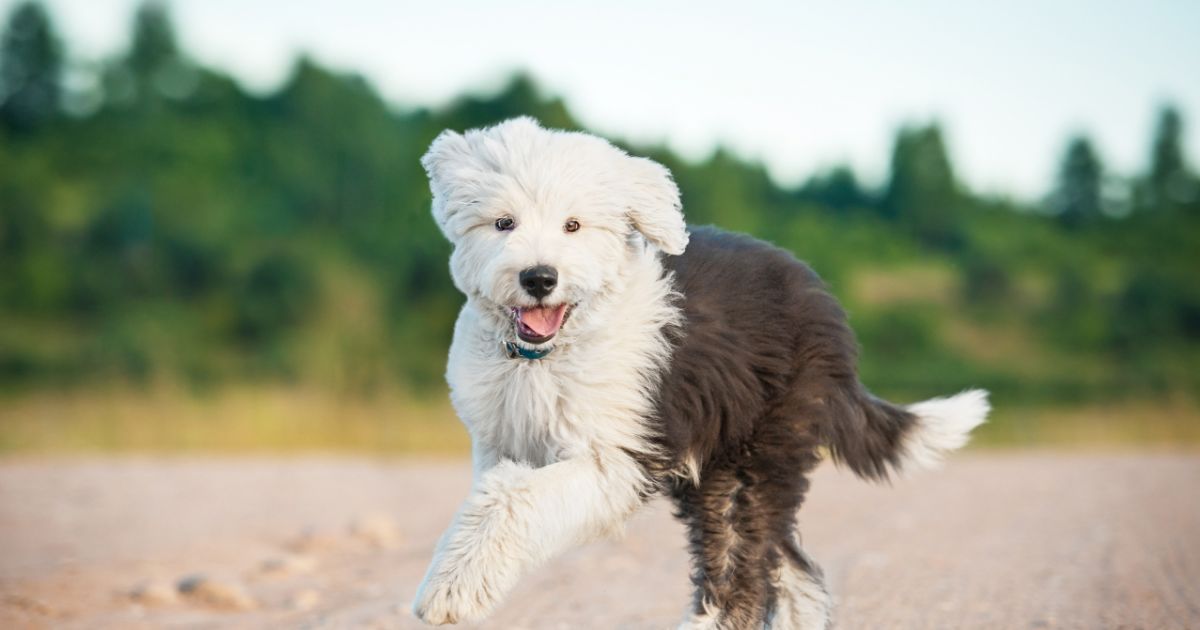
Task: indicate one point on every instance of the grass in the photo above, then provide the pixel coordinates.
(1173, 423)
(299, 419)
(272, 419)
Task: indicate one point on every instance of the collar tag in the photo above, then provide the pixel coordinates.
(513, 351)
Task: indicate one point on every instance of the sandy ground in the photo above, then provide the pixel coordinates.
(1010, 540)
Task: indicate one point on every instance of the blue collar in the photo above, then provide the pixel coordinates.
(514, 351)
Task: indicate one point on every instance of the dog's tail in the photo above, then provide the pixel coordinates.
(875, 438)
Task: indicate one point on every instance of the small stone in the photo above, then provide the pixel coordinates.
(311, 541)
(154, 593)
(377, 530)
(283, 566)
(27, 604)
(304, 600)
(216, 593)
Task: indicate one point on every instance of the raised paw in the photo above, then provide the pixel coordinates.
(451, 597)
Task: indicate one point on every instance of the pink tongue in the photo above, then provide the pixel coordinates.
(543, 321)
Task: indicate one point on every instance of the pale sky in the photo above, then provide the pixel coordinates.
(799, 85)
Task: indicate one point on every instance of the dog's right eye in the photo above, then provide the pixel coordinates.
(505, 224)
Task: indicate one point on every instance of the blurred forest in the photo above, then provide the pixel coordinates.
(160, 224)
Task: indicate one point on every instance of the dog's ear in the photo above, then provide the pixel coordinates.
(447, 156)
(654, 205)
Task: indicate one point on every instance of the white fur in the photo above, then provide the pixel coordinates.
(553, 439)
(802, 603)
(517, 517)
(943, 425)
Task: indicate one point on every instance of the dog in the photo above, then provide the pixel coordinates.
(607, 353)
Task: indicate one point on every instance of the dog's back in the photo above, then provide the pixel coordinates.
(767, 349)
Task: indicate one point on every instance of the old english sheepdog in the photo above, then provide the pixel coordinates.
(607, 353)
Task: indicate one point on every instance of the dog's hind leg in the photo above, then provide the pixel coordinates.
(738, 518)
(730, 557)
(801, 601)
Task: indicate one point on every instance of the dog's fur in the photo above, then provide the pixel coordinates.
(710, 367)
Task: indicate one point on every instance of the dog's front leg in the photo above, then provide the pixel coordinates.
(517, 517)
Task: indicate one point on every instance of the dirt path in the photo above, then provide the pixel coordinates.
(1034, 540)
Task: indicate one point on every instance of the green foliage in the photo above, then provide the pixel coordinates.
(1157, 308)
(922, 194)
(185, 230)
(153, 69)
(837, 189)
(1169, 186)
(273, 296)
(30, 70)
(987, 280)
(153, 47)
(1078, 198)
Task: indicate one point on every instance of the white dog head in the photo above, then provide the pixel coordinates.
(542, 221)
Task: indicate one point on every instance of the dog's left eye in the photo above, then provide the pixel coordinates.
(571, 226)
(505, 224)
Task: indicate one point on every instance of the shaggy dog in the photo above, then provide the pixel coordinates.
(606, 354)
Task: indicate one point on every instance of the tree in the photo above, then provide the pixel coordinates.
(1169, 185)
(836, 188)
(520, 96)
(1077, 199)
(153, 39)
(922, 192)
(154, 66)
(727, 191)
(30, 69)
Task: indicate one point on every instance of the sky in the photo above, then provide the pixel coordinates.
(799, 85)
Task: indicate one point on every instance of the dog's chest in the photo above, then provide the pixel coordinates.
(542, 411)
(536, 423)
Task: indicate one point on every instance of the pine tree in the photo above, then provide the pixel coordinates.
(153, 67)
(837, 188)
(1077, 199)
(922, 192)
(1169, 186)
(30, 69)
(153, 43)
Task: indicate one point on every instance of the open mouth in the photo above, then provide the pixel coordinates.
(539, 324)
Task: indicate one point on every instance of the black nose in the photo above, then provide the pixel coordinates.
(539, 281)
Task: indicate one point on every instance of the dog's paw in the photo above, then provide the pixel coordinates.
(450, 598)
